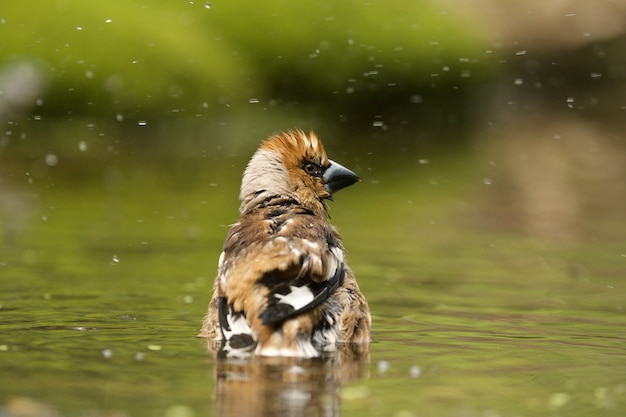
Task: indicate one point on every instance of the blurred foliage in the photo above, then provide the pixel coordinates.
(120, 59)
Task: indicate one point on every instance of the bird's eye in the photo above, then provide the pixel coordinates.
(312, 169)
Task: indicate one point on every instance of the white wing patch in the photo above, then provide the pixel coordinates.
(238, 325)
(337, 253)
(334, 261)
(298, 297)
(239, 339)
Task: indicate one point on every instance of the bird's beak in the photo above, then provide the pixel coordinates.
(337, 177)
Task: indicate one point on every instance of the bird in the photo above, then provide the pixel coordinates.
(283, 287)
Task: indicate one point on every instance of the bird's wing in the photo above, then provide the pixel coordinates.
(271, 276)
(293, 296)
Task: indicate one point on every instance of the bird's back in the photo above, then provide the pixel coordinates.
(283, 273)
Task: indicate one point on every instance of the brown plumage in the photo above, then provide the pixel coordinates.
(283, 287)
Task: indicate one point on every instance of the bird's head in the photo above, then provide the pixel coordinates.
(295, 165)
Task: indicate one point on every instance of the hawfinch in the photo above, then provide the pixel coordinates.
(283, 287)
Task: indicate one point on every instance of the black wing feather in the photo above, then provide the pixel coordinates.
(277, 312)
(222, 310)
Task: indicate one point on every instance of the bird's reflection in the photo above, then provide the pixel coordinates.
(278, 386)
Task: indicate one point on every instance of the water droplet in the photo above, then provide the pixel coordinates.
(107, 353)
(108, 21)
(51, 160)
(115, 259)
(139, 356)
(518, 81)
(82, 145)
(383, 366)
(558, 400)
(119, 117)
(487, 181)
(79, 27)
(89, 74)
(415, 371)
(142, 123)
(207, 5)
(253, 101)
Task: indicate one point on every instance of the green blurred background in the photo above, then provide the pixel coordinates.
(171, 60)
(531, 94)
(425, 72)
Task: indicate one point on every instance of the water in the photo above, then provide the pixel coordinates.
(479, 309)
